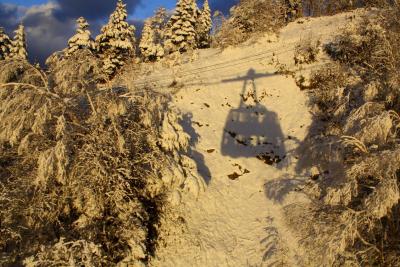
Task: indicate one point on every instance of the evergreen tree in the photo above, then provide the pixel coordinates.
(5, 44)
(159, 22)
(116, 42)
(150, 50)
(82, 38)
(204, 25)
(18, 45)
(181, 34)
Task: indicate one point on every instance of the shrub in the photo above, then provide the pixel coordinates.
(15, 70)
(323, 7)
(357, 96)
(306, 51)
(86, 176)
(76, 73)
(249, 17)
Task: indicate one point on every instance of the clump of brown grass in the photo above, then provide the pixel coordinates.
(84, 176)
(306, 51)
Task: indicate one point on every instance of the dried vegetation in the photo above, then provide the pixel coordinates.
(356, 98)
(86, 175)
(250, 17)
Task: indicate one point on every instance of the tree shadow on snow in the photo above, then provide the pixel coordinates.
(198, 157)
(276, 190)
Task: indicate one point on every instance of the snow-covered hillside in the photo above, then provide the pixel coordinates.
(245, 121)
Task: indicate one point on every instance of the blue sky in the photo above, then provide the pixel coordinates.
(50, 23)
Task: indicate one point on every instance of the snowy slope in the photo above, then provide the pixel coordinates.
(236, 108)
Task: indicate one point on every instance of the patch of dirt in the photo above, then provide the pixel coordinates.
(270, 158)
(234, 176)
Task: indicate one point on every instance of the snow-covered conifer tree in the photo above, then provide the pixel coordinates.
(5, 44)
(160, 20)
(204, 25)
(18, 45)
(181, 33)
(116, 42)
(82, 38)
(150, 50)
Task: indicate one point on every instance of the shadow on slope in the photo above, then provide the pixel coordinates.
(251, 130)
(198, 157)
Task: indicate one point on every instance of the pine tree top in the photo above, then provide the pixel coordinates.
(147, 34)
(205, 17)
(20, 32)
(206, 7)
(181, 32)
(18, 48)
(82, 23)
(82, 38)
(117, 32)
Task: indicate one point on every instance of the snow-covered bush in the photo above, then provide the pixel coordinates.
(15, 70)
(357, 98)
(5, 44)
(149, 48)
(82, 38)
(18, 45)
(75, 74)
(203, 26)
(87, 178)
(306, 51)
(180, 34)
(250, 17)
(329, 7)
(116, 42)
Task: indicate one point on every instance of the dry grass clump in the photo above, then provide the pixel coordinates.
(330, 7)
(250, 17)
(306, 51)
(85, 180)
(357, 100)
(330, 81)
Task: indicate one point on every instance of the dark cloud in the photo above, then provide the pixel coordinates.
(222, 5)
(9, 16)
(45, 33)
(90, 9)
